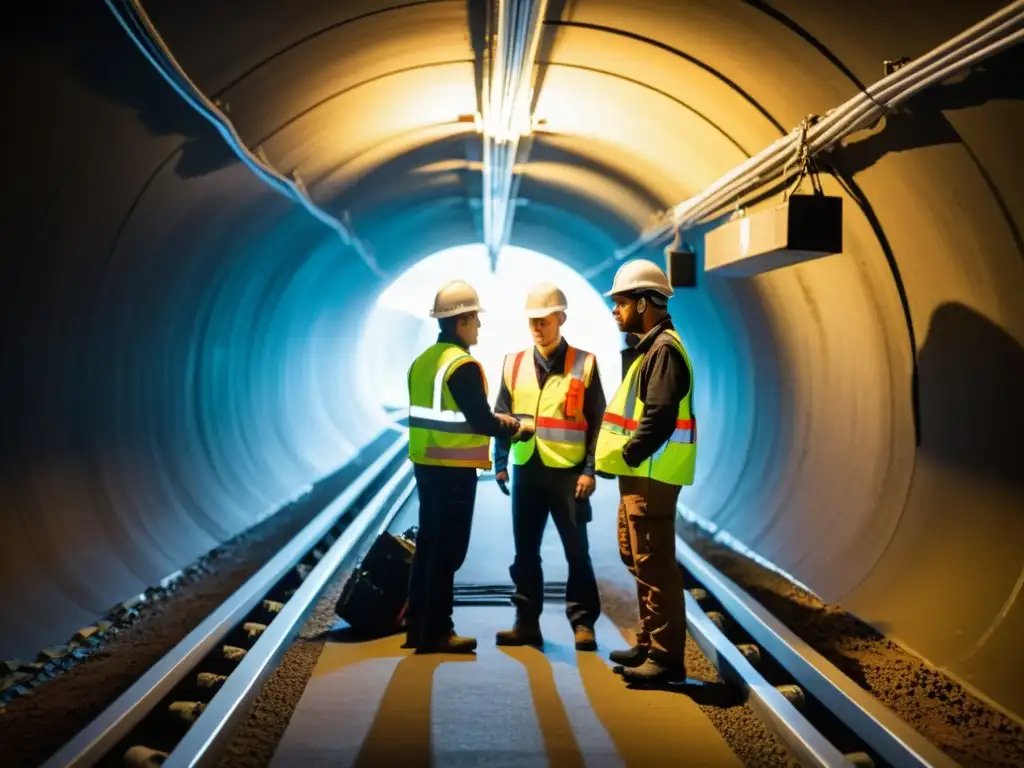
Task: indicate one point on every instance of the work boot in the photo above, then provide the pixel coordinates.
(450, 644)
(522, 633)
(630, 657)
(585, 640)
(653, 671)
(411, 638)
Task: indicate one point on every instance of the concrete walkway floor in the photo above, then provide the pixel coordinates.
(372, 703)
(375, 704)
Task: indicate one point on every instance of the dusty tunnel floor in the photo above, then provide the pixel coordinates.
(964, 727)
(255, 743)
(33, 726)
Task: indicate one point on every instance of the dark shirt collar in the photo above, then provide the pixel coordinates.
(557, 359)
(643, 343)
(444, 338)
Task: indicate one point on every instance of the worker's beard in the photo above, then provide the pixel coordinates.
(635, 325)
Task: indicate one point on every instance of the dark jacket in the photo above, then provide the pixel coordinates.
(593, 412)
(467, 387)
(664, 380)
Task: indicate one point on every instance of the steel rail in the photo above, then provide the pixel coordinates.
(771, 706)
(880, 729)
(116, 721)
(215, 726)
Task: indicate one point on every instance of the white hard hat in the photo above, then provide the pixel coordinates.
(544, 299)
(640, 275)
(455, 298)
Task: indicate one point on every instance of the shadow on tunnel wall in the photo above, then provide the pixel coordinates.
(103, 58)
(972, 383)
(920, 122)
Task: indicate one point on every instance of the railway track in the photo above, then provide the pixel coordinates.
(823, 716)
(186, 708)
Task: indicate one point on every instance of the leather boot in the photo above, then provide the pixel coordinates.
(585, 640)
(653, 671)
(450, 644)
(412, 635)
(630, 657)
(524, 632)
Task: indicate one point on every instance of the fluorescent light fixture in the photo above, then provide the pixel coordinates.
(515, 30)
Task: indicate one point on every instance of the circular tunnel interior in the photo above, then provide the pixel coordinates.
(185, 349)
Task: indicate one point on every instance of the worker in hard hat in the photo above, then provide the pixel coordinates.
(556, 387)
(648, 440)
(450, 427)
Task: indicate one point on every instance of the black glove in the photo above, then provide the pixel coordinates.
(502, 485)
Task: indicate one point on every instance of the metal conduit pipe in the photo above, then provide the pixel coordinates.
(824, 134)
(134, 20)
(506, 117)
(996, 33)
(865, 106)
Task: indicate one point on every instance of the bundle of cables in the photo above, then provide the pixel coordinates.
(996, 33)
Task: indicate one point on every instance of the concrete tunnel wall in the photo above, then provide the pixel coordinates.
(177, 337)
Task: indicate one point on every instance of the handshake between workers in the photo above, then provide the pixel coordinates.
(552, 426)
(585, 485)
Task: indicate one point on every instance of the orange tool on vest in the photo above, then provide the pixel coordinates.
(574, 400)
(573, 406)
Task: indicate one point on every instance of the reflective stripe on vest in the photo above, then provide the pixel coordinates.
(436, 418)
(674, 461)
(561, 441)
(429, 425)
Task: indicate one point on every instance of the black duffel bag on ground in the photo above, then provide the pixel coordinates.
(374, 598)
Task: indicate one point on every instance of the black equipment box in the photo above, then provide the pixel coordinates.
(373, 599)
(801, 229)
(682, 267)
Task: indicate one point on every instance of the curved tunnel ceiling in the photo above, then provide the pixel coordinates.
(179, 338)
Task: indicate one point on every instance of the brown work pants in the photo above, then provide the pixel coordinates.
(647, 545)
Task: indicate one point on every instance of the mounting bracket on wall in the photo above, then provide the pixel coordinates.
(891, 65)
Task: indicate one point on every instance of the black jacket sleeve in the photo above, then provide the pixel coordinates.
(502, 443)
(593, 411)
(667, 382)
(467, 387)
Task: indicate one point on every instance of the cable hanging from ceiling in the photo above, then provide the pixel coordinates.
(134, 20)
(996, 33)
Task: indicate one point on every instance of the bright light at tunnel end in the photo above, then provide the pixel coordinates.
(399, 326)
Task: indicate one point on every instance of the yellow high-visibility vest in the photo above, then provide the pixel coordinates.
(556, 410)
(675, 461)
(439, 434)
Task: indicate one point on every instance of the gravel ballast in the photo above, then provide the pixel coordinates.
(34, 724)
(255, 742)
(753, 742)
(966, 728)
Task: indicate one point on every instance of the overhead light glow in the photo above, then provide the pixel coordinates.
(508, 94)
